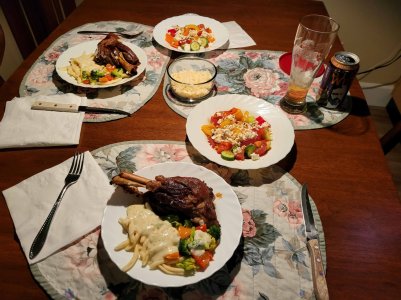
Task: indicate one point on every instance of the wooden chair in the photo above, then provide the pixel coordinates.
(393, 136)
(31, 21)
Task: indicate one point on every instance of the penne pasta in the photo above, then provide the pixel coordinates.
(122, 245)
(148, 237)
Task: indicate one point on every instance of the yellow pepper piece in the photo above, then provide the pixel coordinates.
(191, 26)
(207, 129)
(245, 116)
(238, 115)
(225, 122)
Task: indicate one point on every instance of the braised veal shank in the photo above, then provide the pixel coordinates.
(111, 51)
(187, 196)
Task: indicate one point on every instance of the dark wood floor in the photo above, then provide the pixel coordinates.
(383, 124)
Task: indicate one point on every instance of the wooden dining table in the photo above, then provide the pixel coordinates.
(343, 164)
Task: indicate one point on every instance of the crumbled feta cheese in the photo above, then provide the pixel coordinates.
(255, 156)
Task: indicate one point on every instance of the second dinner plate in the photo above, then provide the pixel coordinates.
(90, 47)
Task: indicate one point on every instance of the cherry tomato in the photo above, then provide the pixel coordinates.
(223, 146)
(240, 156)
(86, 81)
(261, 133)
(106, 78)
(262, 149)
(211, 142)
(214, 119)
(182, 42)
(110, 67)
(249, 141)
(201, 227)
(203, 260)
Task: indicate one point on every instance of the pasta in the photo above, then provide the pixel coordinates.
(149, 239)
(85, 70)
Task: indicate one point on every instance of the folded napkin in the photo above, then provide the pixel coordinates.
(23, 127)
(80, 211)
(238, 38)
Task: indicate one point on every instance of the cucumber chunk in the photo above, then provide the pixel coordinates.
(249, 150)
(227, 155)
(203, 42)
(195, 46)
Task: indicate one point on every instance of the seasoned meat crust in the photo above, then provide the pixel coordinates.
(186, 195)
(111, 51)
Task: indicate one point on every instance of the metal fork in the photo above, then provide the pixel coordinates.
(72, 177)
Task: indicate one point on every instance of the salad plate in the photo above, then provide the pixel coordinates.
(229, 215)
(219, 31)
(281, 129)
(90, 47)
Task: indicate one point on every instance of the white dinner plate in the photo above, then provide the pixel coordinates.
(219, 31)
(228, 211)
(281, 127)
(90, 47)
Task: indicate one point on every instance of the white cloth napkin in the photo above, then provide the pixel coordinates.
(22, 126)
(80, 211)
(238, 38)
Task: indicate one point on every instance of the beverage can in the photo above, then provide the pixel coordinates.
(337, 79)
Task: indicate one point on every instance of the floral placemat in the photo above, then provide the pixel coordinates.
(42, 79)
(257, 73)
(271, 261)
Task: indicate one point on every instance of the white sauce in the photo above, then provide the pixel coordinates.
(163, 238)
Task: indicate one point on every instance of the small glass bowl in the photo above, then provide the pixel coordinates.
(191, 78)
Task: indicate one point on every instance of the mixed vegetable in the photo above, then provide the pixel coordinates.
(190, 37)
(237, 135)
(197, 244)
(103, 75)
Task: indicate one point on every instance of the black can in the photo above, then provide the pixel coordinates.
(337, 79)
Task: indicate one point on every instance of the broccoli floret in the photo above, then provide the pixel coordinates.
(188, 223)
(214, 231)
(84, 75)
(183, 247)
(212, 245)
(96, 74)
(118, 72)
(174, 220)
(188, 265)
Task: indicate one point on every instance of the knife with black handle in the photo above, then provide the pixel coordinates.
(52, 106)
(318, 274)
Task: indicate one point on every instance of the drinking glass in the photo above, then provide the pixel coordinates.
(313, 40)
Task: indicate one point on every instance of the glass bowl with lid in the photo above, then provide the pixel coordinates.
(191, 79)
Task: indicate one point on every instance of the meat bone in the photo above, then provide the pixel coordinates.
(130, 181)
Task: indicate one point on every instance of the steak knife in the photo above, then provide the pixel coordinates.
(52, 106)
(319, 279)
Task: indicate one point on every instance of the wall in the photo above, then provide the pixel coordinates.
(372, 30)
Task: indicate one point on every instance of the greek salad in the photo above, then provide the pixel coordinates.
(238, 135)
(190, 37)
